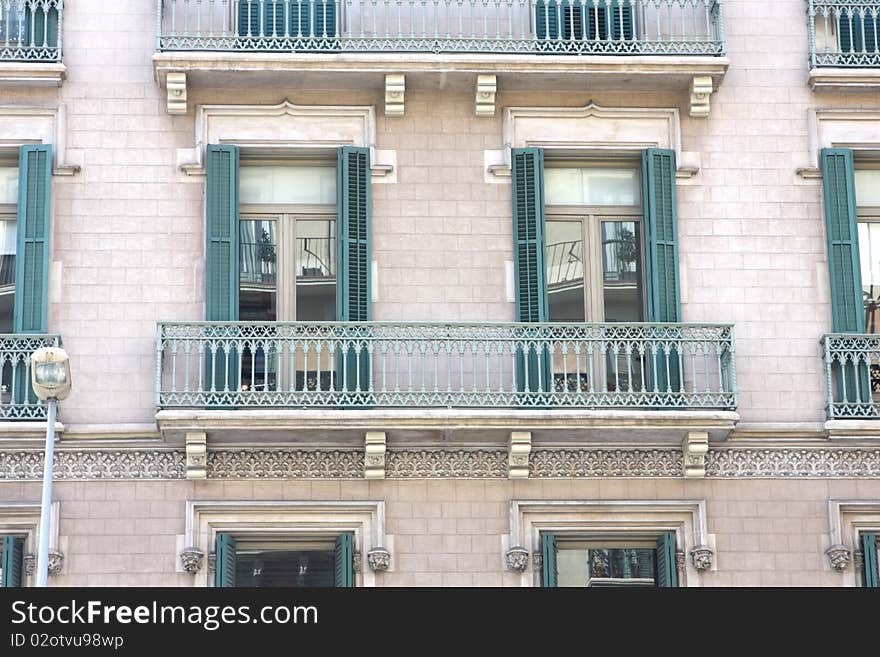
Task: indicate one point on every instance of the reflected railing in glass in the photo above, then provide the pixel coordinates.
(30, 30)
(17, 399)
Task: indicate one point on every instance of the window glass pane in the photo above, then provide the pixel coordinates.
(287, 184)
(591, 186)
(565, 271)
(258, 250)
(7, 272)
(12, 24)
(293, 568)
(571, 567)
(868, 187)
(316, 269)
(605, 567)
(8, 184)
(869, 255)
(621, 271)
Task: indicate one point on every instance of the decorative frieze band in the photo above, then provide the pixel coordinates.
(318, 463)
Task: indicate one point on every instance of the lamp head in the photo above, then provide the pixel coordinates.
(50, 373)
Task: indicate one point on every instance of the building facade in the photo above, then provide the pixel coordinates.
(428, 293)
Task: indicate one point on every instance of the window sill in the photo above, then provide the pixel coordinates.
(845, 79)
(32, 74)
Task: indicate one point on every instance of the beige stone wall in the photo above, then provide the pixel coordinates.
(128, 230)
(767, 532)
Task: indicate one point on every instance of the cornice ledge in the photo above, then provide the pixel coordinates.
(844, 79)
(32, 74)
(21, 434)
(852, 429)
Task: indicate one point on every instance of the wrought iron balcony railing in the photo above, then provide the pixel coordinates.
(383, 364)
(578, 27)
(852, 375)
(844, 33)
(17, 399)
(30, 30)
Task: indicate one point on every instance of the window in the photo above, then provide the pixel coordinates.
(867, 190)
(28, 27)
(261, 561)
(855, 532)
(300, 25)
(584, 20)
(8, 241)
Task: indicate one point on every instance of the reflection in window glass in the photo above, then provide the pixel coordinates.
(621, 269)
(631, 567)
(591, 186)
(316, 269)
(565, 271)
(9, 185)
(7, 273)
(290, 568)
(258, 249)
(287, 184)
(868, 187)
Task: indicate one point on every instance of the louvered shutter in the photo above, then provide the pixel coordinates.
(842, 240)
(621, 20)
(354, 258)
(224, 562)
(665, 575)
(661, 263)
(549, 574)
(13, 561)
(532, 361)
(870, 570)
(850, 33)
(32, 249)
(221, 275)
(344, 560)
(41, 27)
(547, 15)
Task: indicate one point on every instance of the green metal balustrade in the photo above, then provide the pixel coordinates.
(578, 27)
(17, 399)
(30, 30)
(488, 365)
(852, 375)
(844, 33)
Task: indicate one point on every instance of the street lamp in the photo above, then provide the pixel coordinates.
(50, 378)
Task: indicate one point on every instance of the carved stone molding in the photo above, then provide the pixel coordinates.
(460, 464)
(517, 559)
(839, 556)
(191, 559)
(196, 455)
(286, 464)
(356, 561)
(395, 90)
(212, 562)
(680, 563)
(487, 85)
(701, 91)
(519, 446)
(374, 455)
(793, 463)
(858, 562)
(379, 559)
(701, 557)
(175, 84)
(552, 463)
(694, 449)
(537, 560)
(56, 563)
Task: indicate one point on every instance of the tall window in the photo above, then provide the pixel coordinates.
(867, 186)
(8, 209)
(287, 255)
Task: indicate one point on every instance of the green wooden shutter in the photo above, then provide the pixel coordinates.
(354, 263)
(221, 268)
(549, 574)
(547, 18)
(224, 560)
(870, 570)
(36, 25)
(530, 275)
(661, 259)
(844, 268)
(32, 249)
(665, 575)
(344, 560)
(13, 561)
(851, 39)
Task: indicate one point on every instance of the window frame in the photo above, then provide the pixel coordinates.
(847, 520)
(23, 519)
(591, 218)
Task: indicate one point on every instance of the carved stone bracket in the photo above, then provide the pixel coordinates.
(379, 559)
(694, 449)
(839, 556)
(487, 85)
(212, 562)
(175, 85)
(858, 564)
(191, 559)
(701, 90)
(517, 559)
(518, 450)
(56, 563)
(701, 557)
(680, 563)
(537, 560)
(395, 89)
(374, 456)
(196, 455)
(356, 561)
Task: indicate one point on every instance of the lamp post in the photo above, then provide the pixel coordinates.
(50, 378)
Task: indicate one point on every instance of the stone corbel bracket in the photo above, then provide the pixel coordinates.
(379, 559)
(701, 91)
(518, 449)
(517, 559)
(694, 448)
(191, 559)
(702, 557)
(374, 456)
(56, 563)
(487, 85)
(175, 86)
(196, 455)
(395, 93)
(839, 556)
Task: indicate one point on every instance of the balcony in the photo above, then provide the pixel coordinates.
(362, 40)
(498, 374)
(30, 42)
(852, 375)
(17, 400)
(844, 48)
